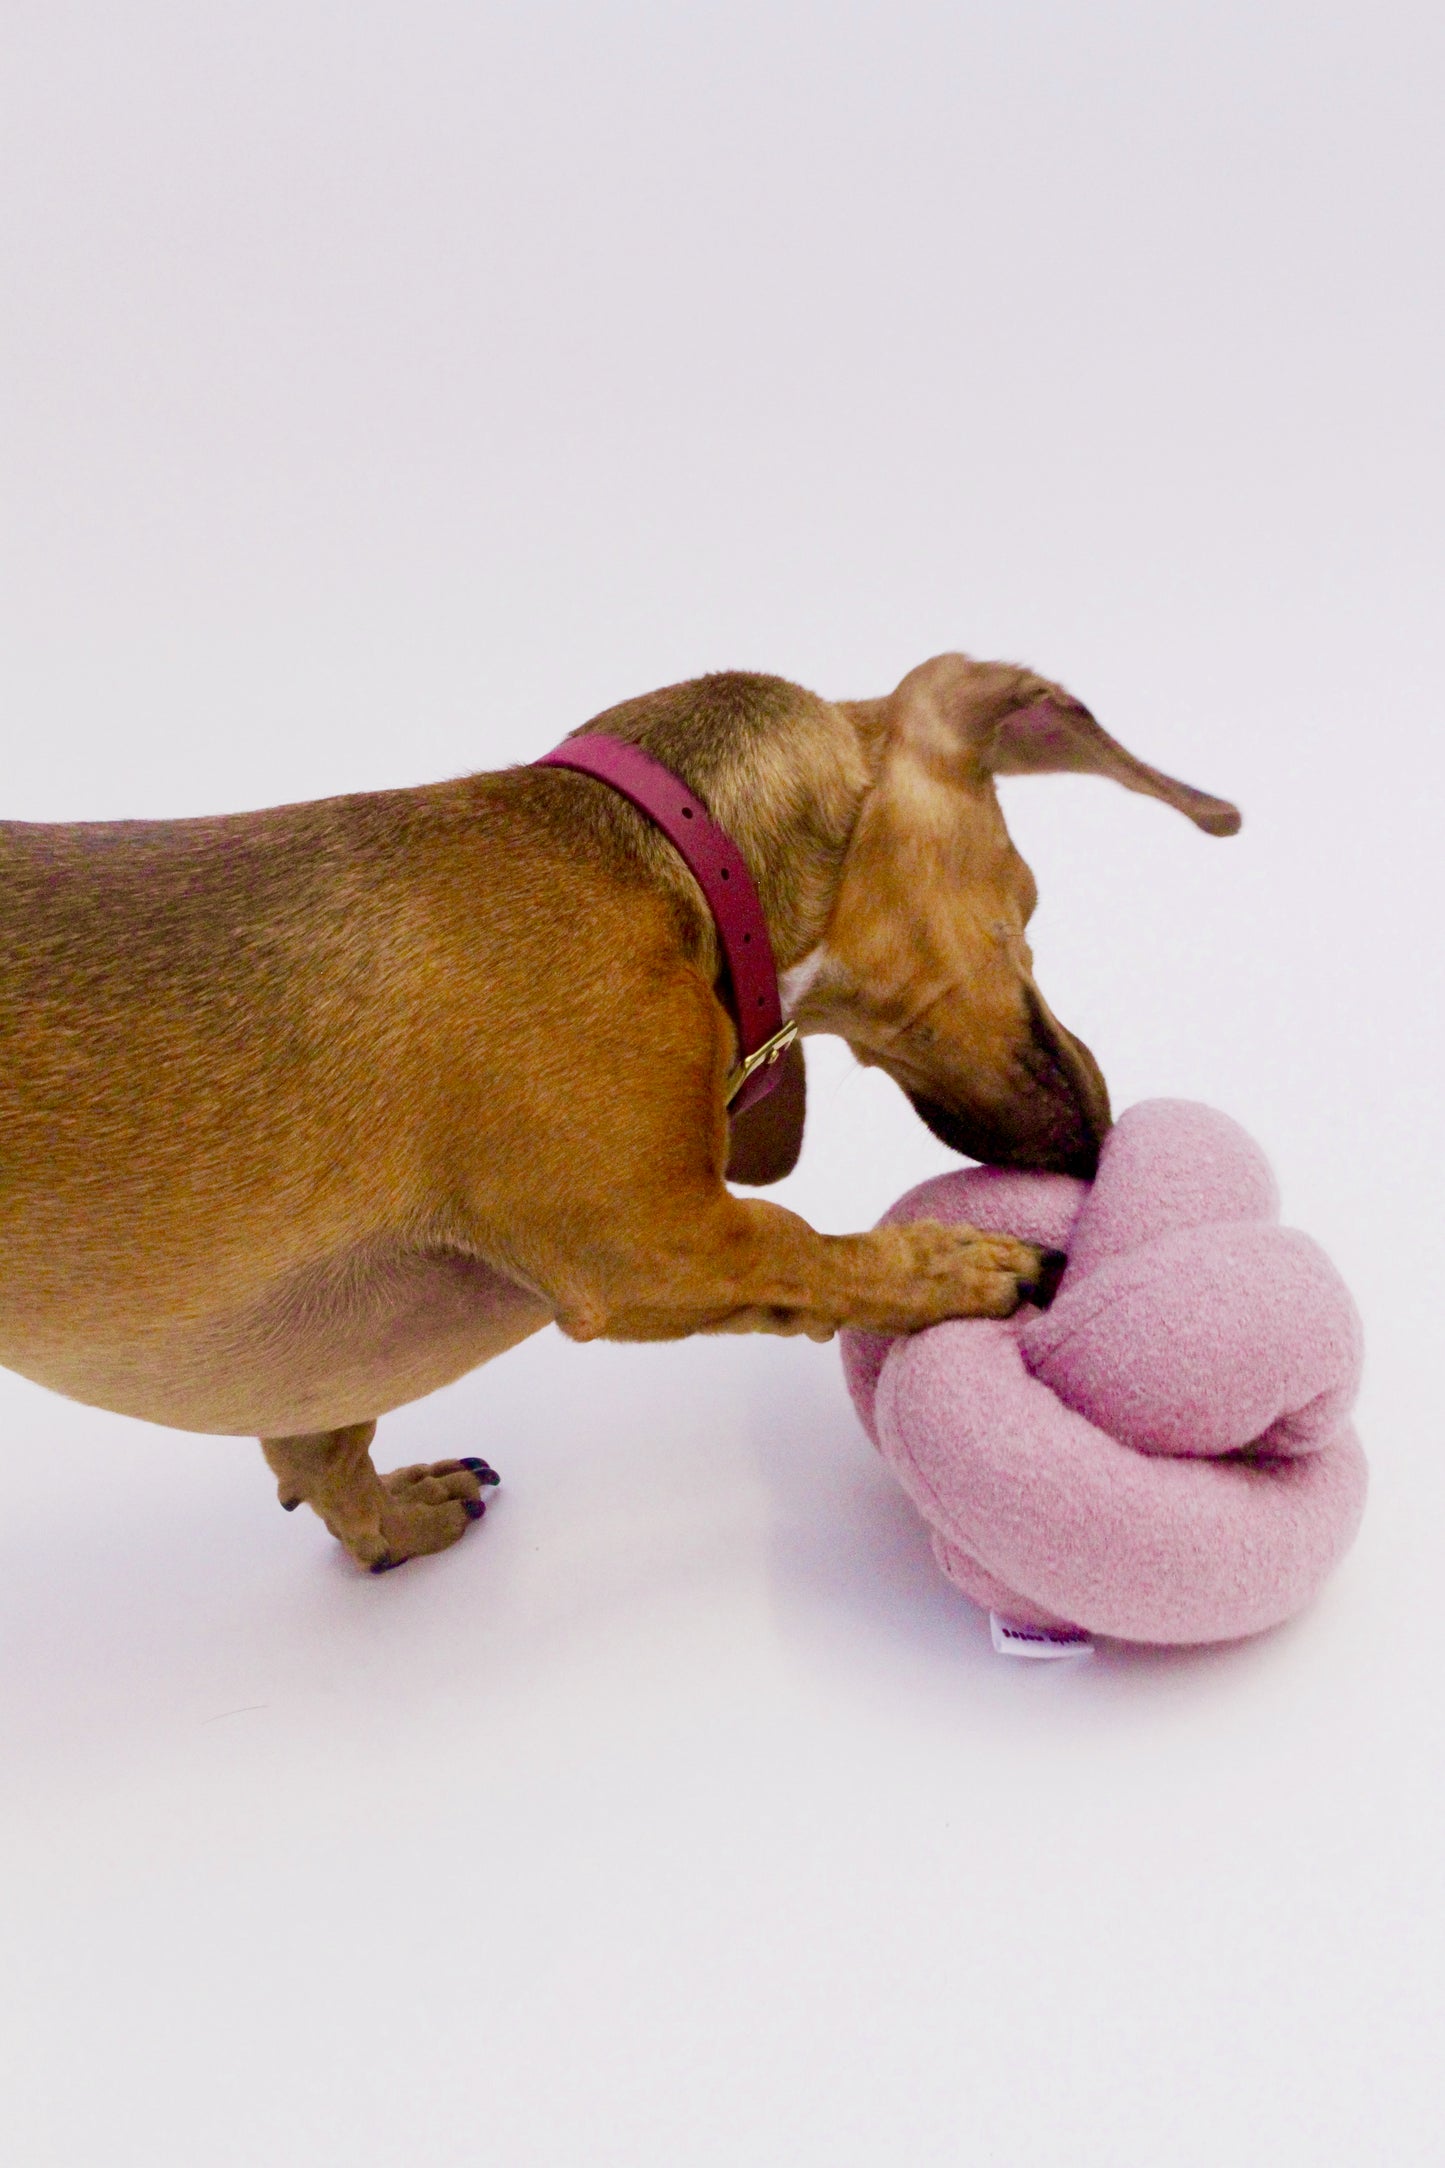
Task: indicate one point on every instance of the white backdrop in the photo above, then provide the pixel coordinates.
(387, 388)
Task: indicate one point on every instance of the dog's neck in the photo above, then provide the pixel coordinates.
(783, 771)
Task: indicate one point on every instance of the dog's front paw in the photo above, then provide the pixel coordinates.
(960, 1272)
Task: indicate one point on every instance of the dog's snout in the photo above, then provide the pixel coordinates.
(1052, 1138)
(1050, 1110)
(1074, 1099)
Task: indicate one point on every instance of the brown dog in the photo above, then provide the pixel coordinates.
(307, 1112)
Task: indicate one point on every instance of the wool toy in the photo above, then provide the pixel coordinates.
(1165, 1453)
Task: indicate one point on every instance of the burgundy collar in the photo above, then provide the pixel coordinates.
(718, 867)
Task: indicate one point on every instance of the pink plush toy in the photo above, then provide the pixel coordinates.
(1165, 1454)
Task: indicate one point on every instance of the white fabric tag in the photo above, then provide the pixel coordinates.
(1012, 1639)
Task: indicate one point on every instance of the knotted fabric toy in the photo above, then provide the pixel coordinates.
(1163, 1455)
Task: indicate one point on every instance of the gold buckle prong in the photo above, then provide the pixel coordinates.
(762, 1057)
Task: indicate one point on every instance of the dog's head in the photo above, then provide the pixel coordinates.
(925, 968)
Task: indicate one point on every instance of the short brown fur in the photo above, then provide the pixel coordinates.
(308, 1111)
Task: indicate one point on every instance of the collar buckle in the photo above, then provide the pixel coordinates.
(762, 1057)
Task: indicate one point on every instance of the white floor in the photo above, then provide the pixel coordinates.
(383, 397)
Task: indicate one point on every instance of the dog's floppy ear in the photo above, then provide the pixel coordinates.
(1017, 723)
(767, 1138)
(1050, 737)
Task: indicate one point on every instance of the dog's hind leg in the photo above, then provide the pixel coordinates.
(382, 1520)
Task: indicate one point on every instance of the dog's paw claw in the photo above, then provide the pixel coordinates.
(386, 1563)
(475, 1508)
(1045, 1284)
(480, 1469)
